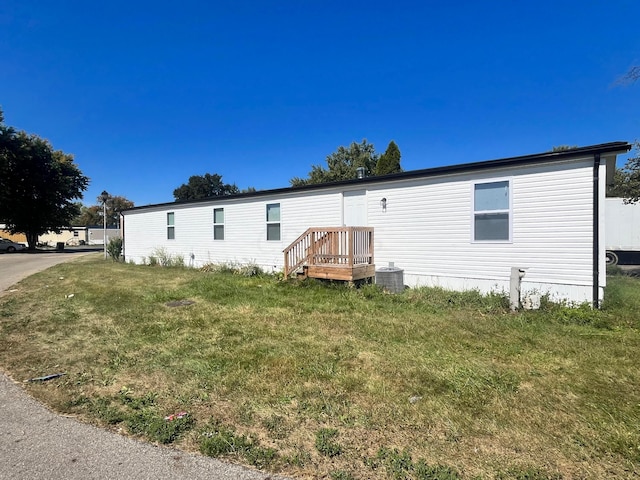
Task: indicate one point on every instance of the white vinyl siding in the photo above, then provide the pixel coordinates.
(426, 228)
(218, 223)
(245, 228)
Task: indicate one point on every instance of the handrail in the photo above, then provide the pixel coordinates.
(343, 246)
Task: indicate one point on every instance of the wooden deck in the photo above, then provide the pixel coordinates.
(334, 253)
(338, 272)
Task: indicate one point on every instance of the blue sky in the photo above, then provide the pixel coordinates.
(146, 94)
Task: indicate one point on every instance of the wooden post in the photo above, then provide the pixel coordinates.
(352, 245)
(286, 264)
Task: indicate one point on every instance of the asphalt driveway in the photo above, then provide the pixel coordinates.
(16, 266)
(36, 443)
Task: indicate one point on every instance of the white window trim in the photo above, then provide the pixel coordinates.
(509, 211)
(267, 223)
(217, 224)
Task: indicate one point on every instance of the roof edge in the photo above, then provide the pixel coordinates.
(611, 147)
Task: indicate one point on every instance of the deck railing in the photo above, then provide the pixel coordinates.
(340, 246)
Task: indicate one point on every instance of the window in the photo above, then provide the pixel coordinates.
(273, 221)
(492, 212)
(218, 223)
(171, 229)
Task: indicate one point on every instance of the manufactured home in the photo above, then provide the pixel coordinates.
(460, 227)
(68, 236)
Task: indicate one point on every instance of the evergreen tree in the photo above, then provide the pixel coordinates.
(389, 161)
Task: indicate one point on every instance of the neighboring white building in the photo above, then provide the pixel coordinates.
(95, 234)
(459, 227)
(622, 230)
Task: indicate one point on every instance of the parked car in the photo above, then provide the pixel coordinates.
(9, 246)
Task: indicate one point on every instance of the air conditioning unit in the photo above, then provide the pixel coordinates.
(390, 279)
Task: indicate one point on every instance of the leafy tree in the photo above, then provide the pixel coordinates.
(389, 161)
(38, 185)
(563, 148)
(204, 186)
(115, 205)
(92, 215)
(626, 181)
(9, 146)
(342, 165)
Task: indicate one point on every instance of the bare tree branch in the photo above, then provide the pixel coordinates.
(630, 77)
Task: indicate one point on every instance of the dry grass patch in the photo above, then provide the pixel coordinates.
(321, 380)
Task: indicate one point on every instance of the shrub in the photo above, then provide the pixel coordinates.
(246, 270)
(161, 257)
(114, 248)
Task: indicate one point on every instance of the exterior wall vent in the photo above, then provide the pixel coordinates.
(390, 279)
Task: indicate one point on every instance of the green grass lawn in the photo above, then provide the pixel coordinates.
(318, 380)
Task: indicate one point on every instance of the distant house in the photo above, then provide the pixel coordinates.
(14, 237)
(460, 227)
(91, 235)
(69, 236)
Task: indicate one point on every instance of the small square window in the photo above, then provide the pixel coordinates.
(492, 226)
(273, 212)
(273, 231)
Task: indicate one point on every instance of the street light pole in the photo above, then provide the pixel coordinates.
(104, 196)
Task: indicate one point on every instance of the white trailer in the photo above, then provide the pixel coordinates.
(622, 232)
(461, 227)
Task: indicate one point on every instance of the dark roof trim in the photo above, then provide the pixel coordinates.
(603, 148)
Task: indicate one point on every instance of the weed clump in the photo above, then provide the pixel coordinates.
(341, 475)
(527, 473)
(161, 257)
(399, 464)
(246, 270)
(325, 443)
(158, 428)
(140, 415)
(218, 440)
(438, 299)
